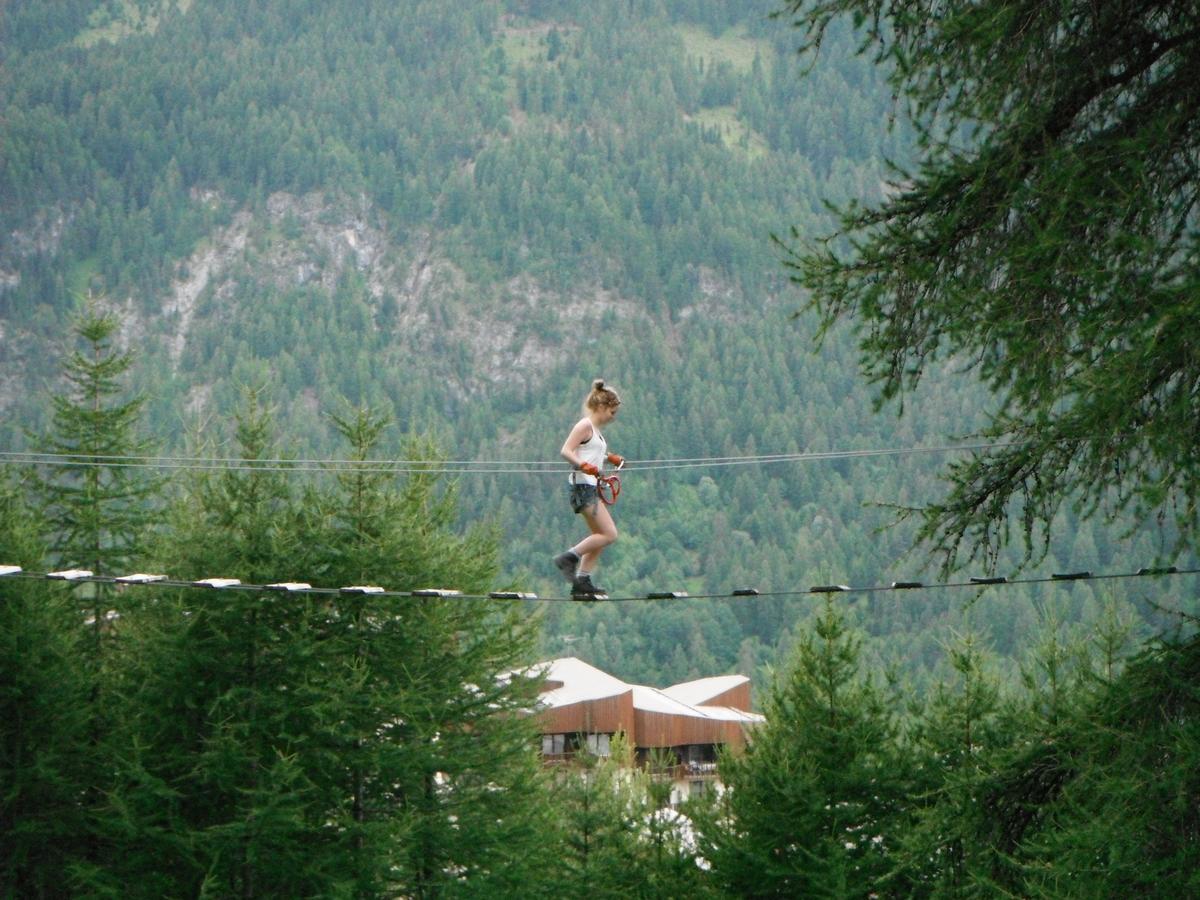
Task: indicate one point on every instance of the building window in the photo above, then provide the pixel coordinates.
(599, 744)
(699, 758)
(697, 788)
(568, 744)
(699, 753)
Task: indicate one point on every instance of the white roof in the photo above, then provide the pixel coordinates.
(650, 699)
(731, 714)
(581, 682)
(696, 692)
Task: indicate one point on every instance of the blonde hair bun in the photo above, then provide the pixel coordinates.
(600, 395)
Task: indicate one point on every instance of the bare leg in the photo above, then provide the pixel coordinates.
(604, 532)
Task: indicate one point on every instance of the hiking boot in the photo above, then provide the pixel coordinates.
(567, 563)
(583, 589)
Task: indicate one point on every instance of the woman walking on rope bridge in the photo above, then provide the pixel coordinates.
(586, 450)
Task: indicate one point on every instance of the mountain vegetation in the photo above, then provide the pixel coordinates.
(241, 237)
(1047, 232)
(457, 219)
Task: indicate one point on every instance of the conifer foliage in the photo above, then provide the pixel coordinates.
(43, 715)
(96, 513)
(1046, 234)
(313, 746)
(226, 697)
(1103, 802)
(810, 807)
(95, 517)
(439, 763)
(955, 743)
(226, 743)
(618, 834)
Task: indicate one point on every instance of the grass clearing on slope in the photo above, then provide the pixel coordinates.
(733, 47)
(735, 134)
(79, 276)
(118, 19)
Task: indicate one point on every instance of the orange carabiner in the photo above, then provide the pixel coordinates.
(608, 488)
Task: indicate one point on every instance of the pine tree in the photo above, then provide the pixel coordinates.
(667, 865)
(333, 745)
(1029, 773)
(1125, 822)
(619, 836)
(597, 825)
(437, 755)
(97, 506)
(224, 697)
(1101, 803)
(1055, 182)
(810, 805)
(44, 724)
(97, 502)
(957, 738)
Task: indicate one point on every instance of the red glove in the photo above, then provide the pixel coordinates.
(589, 469)
(615, 460)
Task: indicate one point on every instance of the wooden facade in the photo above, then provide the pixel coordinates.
(578, 701)
(604, 715)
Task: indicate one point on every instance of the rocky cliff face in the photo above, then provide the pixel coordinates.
(472, 336)
(420, 301)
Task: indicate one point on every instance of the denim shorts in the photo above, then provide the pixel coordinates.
(583, 497)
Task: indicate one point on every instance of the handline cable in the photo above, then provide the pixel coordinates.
(376, 468)
(271, 464)
(802, 457)
(36, 456)
(453, 467)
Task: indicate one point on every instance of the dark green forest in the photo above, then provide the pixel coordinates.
(172, 741)
(307, 230)
(457, 220)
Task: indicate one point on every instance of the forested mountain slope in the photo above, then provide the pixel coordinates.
(459, 214)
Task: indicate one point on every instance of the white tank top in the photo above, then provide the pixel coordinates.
(595, 451)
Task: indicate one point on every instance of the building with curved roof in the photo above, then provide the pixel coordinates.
(581, 708)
